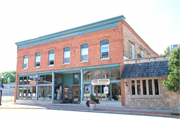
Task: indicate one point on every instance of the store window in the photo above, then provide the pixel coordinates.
(84, 52)
(76, 79)
(115, 74)
(51, 57)
(104, 49)
(144, 87)
(150, 87)
(31, 77)
(105, 74)
(24, 92)
(156, 85)
(87, 91)
(106, 92)
(96, 74)
(20, 92)
(41, 92)
(97, 92)
(67, 55)
(38, 58)
(25, 62)
(138, 87)
(86, 76)
(48, 92)
(116, 91)
(45, 79)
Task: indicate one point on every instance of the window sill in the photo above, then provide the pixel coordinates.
(66, 64)
(24, 68)
(50, 65)
(83, 61)
(37, 67)
(145, 96)
(105, 59)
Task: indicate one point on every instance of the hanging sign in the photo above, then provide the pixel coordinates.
(100, 82)
(32, 82)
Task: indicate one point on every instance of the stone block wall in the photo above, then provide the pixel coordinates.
(166, 100)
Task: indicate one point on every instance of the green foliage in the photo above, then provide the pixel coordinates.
(172, 81)
(91, 96)
(167, 50)
(9, 77)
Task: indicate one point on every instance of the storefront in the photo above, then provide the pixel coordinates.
(71, 85)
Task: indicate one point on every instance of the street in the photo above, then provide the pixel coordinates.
(44, 114)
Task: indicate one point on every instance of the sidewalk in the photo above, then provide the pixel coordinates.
(130, 111)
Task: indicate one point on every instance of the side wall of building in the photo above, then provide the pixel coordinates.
(130, 37)
(166, 100)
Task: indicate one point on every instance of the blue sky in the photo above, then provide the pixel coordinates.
(155, 21)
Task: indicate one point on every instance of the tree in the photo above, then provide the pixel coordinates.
(9, 77)
(172, 81)
(167, 50)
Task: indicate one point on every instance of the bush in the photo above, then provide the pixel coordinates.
(91, 96)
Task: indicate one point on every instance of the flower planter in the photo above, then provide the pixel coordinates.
(92, 106)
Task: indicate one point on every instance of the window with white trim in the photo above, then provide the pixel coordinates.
(145, 87)
(38, 58)
(133, 52)
(25, 62)
(51, 58)
(104, 49)
(67, 55)
(84, 52)
(142, 53)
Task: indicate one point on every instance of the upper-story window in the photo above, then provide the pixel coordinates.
(38, 58)
(105, 49)
(51, 57)
(67, 55)
(84, 52)
(133, 52)
(142, 53)
(25, 64)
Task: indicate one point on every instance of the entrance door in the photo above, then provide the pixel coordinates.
(66, 94)
(75, 94)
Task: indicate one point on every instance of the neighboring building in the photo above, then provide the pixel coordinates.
(173, 46)
(69, 65)
(9, 89)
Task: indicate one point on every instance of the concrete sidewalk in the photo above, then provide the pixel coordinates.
(130, 111)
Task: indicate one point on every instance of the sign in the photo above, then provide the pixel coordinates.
(105, 90)
(100, 82)
(2, 87)
(33, 82)
(87, 89)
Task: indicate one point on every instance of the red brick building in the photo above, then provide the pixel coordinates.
(69, 65)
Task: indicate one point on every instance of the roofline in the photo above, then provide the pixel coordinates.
(73, 30)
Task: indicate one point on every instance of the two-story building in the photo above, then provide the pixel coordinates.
(69, 65)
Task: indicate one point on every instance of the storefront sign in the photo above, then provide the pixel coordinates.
(32, 82)
(100, 82)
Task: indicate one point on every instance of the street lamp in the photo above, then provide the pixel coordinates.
(1, 87)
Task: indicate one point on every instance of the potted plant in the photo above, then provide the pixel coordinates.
(92, 105)
(93, 102)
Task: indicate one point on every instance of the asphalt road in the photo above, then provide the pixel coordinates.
(45, 114)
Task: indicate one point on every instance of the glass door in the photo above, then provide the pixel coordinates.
(75, 94)
(65, 94)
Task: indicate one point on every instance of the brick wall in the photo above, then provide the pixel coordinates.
(131, 37)
(114, 36)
